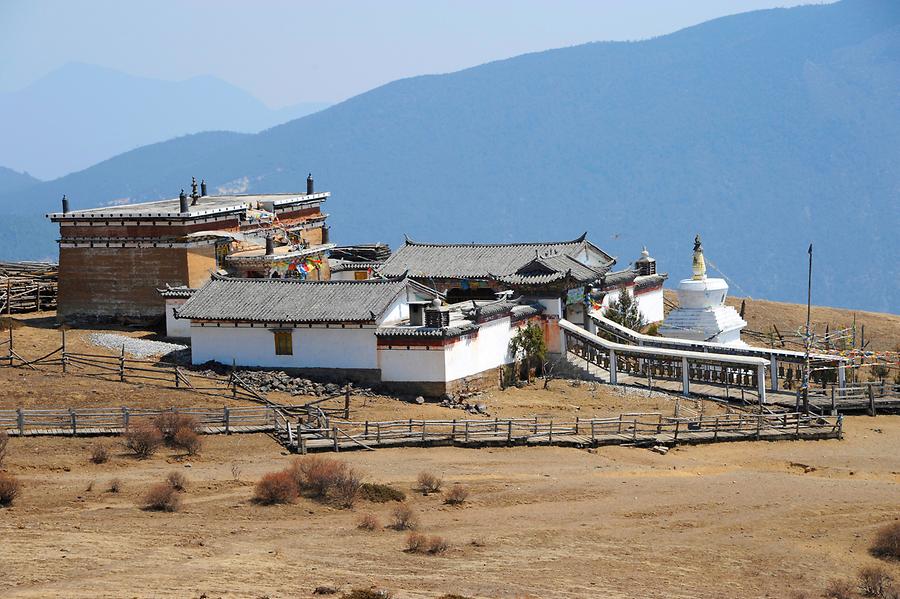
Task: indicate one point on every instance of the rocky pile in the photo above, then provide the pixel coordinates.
(460, 402)
(265, 381)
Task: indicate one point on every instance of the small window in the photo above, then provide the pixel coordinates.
(284, 343)
(360, 275)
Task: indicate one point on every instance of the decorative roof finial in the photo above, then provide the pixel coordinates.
(699, 264)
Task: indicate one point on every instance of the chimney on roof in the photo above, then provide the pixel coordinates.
(325, 235)
(309, 184)
(65, 203)
(202, 187)
(270, 246)
(182, 202)
(194, 194)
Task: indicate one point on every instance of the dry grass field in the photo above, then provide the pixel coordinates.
(742, 520)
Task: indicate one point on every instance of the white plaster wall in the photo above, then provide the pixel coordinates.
(344, 275)
(651, 305)
(419, 364)
(176, 327)
(552, 307)
(489, 349)
(313, 348)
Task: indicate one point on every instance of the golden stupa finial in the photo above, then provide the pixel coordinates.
(699, 264)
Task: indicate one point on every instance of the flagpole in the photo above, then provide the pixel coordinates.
(808, 338)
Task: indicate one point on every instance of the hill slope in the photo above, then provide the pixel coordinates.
(762, 131)
(11, 180)
(81, 114)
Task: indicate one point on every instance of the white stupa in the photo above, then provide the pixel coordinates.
(702, 314)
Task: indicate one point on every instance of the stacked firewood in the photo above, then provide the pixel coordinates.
(28, 286)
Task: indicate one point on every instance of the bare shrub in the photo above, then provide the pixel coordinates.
(345, 490)
(169, 423)
(874, 581)
(456, 495)
(369, 522)
(316, 475)
(4, 443)
(416, 543)
(10, 489)
(840, 588)
(114, 486)
(162, 498)
(437, 545)
(887, 542)
(99, 453)
(188, 440)
(378, 493)
(404, 518)
(143, 440)
(235, 471)
(429, 482)
(276, 487)
(367, 594)
(176, 480)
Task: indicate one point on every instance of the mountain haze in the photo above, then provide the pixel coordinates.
(11, 180)
(763, 132)
(81, 114)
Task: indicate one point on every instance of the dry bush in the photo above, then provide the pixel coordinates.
(378, 493)
(416, 543)
(874, 581)
(345, 490)
(114, 486)
(437, 545)
(162, 498)
(887, 542)
(169, 423)
(429, 482)
(4, 443)
(369, 522)
(176, 480)
(188, 440)
(235, 471)
(316, 475)
(839, 588)
(456, 495)
(404, 518)
(10, 489)
(367, 594)
(276, 487)
(143, 439)
(99, 453)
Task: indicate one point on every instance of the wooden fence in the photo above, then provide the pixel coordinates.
(108, 421)
(638, 429)
(27, 286)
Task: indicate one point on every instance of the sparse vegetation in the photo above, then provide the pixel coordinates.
(10, 489)
(369, 522)
(276, 488)
(188, 440)
(428, 482)
(379, 493)
(367, 594)
(345, 490)
(99, 453)
(456, 495)
(875, 581)
(162, 497)
(416, 543)
(169, 423)
(437, 545)
(114, 486)
(887, 542)
(143, 439)
(235, 471)
(840, 588)
(528, 344)
(177, 480)
(404, 518)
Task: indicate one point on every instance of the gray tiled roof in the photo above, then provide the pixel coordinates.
(475, 260)
(551, 268)
(180, 291)
(619, 278)
(458, 330)
(288, 300)
(344, 265)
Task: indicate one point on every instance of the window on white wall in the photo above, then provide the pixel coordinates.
(284, 343)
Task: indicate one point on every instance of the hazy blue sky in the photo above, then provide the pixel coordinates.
(287, 52)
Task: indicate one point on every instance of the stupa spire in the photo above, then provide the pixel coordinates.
(699, 264)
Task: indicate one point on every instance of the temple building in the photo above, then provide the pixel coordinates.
(113, 260)
(702, 314)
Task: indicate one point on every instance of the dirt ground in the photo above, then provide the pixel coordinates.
(727, 520)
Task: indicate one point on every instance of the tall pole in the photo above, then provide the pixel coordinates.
(808, 338)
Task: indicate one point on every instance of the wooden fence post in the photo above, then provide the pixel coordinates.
(347, 403)
(675, 440)
(125, 419)
(759, 418)
(65, 360)
(302, 440)
(177, 382)
(367, 430)
(576, 425)
(634, 424)
(378, 432)
(423, 431)
(20, 421)
(226, 417)
(467, 431)
(122, 365)
(716, 430)
(550, 433)
(833, 405)
(335, 430)
(74, 420)
(871, 400)
(509, 431)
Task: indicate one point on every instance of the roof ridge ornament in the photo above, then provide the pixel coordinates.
(698, 265)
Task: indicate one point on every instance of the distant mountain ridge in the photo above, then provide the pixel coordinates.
(763, 131)
(79, 115)
(11, 180)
